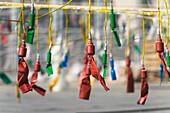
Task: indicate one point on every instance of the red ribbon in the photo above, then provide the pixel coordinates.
(130, 81)
(40, 90)
(84, 85)
(164, 65)
(95, 72)
(23, 71)
(82, 75)
(144, 92)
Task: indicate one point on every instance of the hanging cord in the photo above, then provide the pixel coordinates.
(23, 16)
(53, 10)
(161, 29)
(89, 16)
(128, 37)
(158, 16)
(167, 23)
(143, 37)
(50, 38)
(19, 34)
(13, 20)
(86, 28)
(66, 30)
(37, 32)
(19, 17)
(111, 34)
(105, 21)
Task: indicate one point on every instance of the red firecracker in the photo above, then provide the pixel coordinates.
(37, 66)
(159, 45)
(22, 49)
(90, 49)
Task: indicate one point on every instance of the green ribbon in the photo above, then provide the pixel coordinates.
(5, 78)
(42, 71)
(29, 62)
(104, 62)
(30, 36)
(49, 57)
(49, 69)
(137, 49)
(168, 63)
(49, 66)
(167, 59)
(105, 69)
(116, 37)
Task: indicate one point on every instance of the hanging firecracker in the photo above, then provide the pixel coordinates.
(113, 73)
(159, 50)
(37, 68)
(90, 50)
(130, 79)
(143, 74)
(113, 24)
(31, 30)
(49, 65)
(144, 86)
